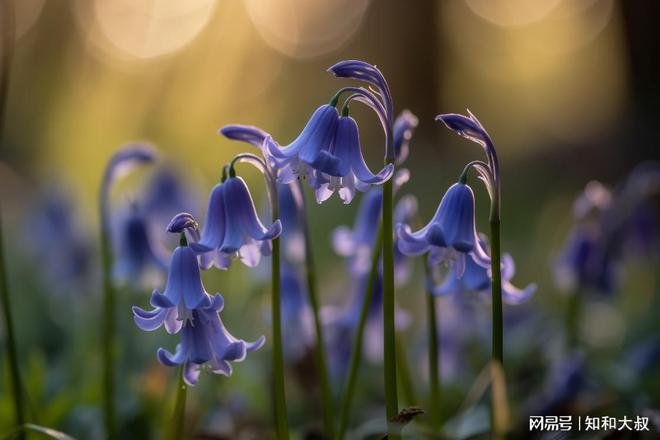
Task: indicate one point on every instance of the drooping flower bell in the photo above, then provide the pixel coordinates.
(477, 278)
(327, 153)
(232, 227)
(186, 307)
(451, 232)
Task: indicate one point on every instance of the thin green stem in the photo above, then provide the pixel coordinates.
(107, 333)
(389, 329)
(434, 373)
(356, 350)
(321, 362)
(8, 36)
(403, 370)
(179, 415)
(281, 419)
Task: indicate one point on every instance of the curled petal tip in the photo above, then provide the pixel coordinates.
(181, 222)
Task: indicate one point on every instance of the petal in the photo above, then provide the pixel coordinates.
(239, 199)
(512, 295)
(184, 279)
(160, 300)
(456, 218)
(245, 133)
(172, 323)
(172, 360)
(410, 243)
(256, 345)
(508, 267)
(343, 241)
(317, 134)
(149, 321)
(191, 373)
(214, 227)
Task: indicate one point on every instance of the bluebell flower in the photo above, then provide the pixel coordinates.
(232, 227)
(185, 306)
(477, 278)
(451, 233)
(566, 381)
(327, 152)
(590, 257)
(586, 262)
(138, 259)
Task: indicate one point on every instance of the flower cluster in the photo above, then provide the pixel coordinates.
(186, 307)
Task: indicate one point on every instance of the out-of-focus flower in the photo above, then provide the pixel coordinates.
(165, 195)
(404, 126)
(55, 235)
(356, 244)
(185, 306)
(477, 278)
(298, 325)
(232, 227)
(451, 233)
(589, 259)
(138, 258)
(566, 381)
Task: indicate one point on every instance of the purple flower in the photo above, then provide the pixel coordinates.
(451, 233)
(232, 227)
(185, 306)
(165, 195)
(586, 262)
(138, 259)
(477, 278)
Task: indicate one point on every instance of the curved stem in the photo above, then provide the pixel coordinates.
(12, 352)
(433, 341)
(281, 418)
(389, 329)
(179, 414)
(322, 365)
(356, 351)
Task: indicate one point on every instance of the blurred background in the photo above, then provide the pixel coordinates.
(567, 89)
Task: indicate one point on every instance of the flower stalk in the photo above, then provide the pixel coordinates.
(389, 329)
(356, 351)
(179, 415)
(433, 352)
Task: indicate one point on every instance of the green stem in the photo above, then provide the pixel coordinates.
(356, 351)
(389, 329)
(434, 373)
(321, 362)
(403, 371)
(179, 417)
(8, 36)
(498, 329)
(281, 420)
(498, 326)
(107, 333)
